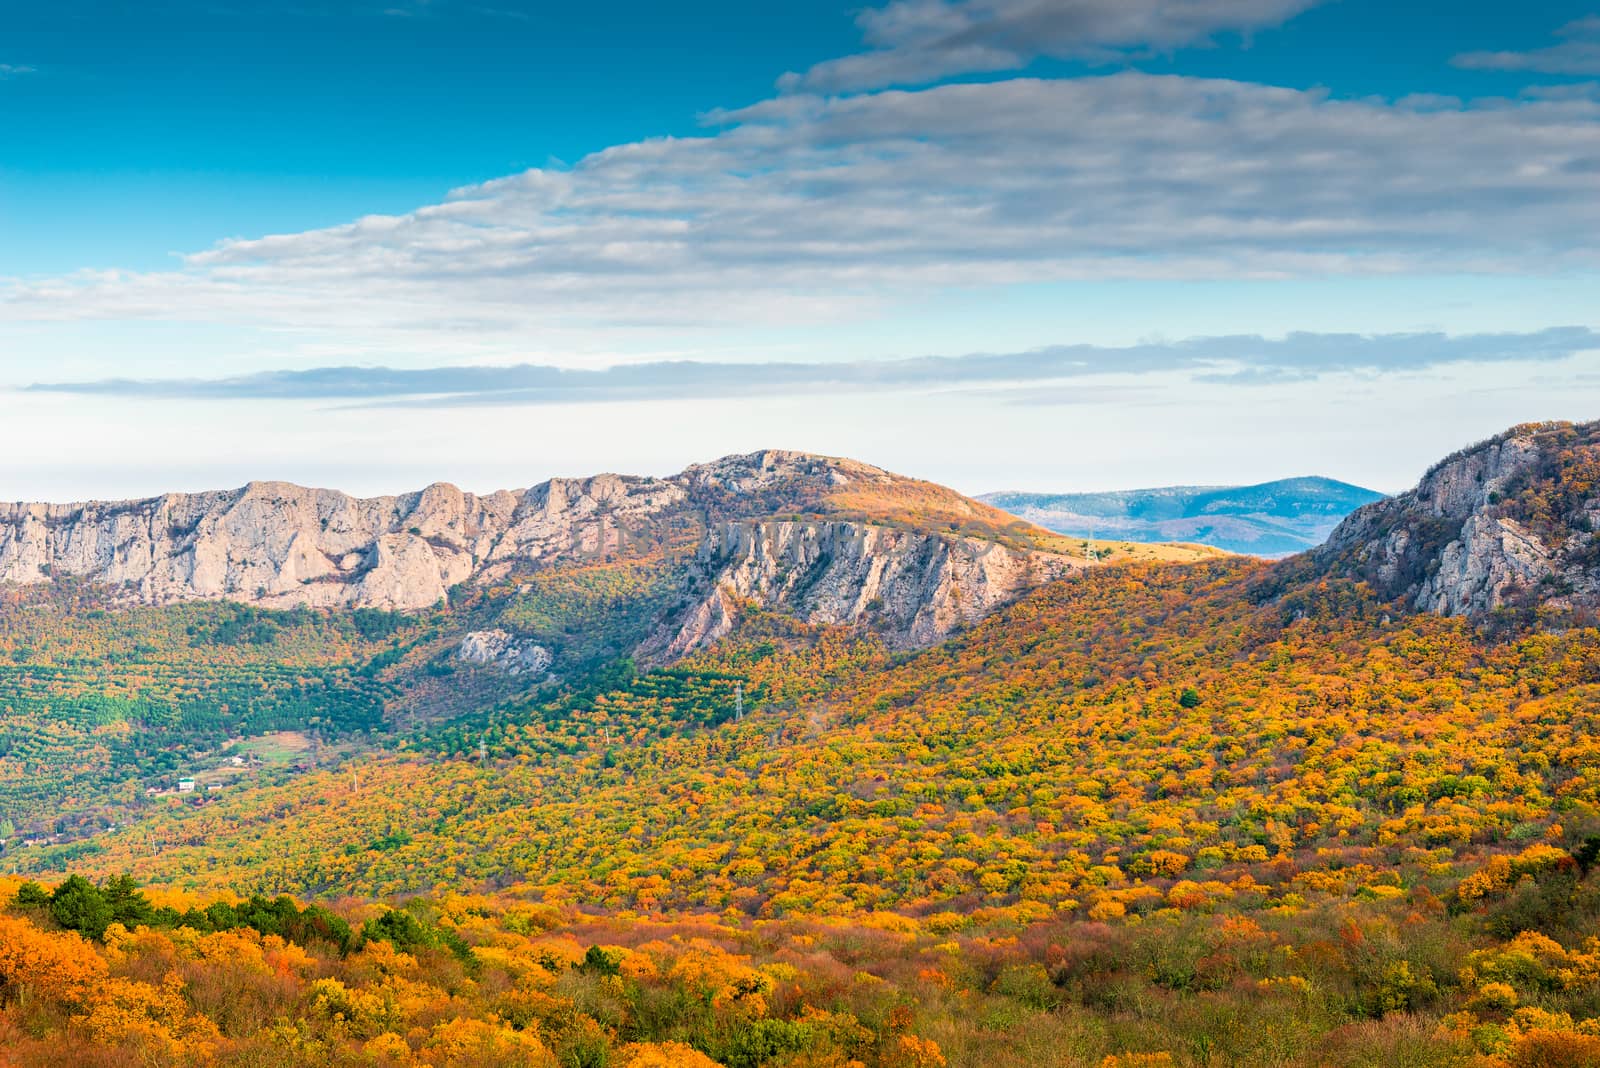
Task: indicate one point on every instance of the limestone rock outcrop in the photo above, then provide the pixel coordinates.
(281, 545)
(503, 650)
(1509, 522)
(914, 587)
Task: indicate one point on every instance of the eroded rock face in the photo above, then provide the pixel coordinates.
(280, 545)
(913, 588)
(1488, 559)
(1478, 532)
(497, 647)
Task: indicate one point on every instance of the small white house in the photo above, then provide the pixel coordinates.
(186, 786)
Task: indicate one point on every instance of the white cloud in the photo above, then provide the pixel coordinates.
(10, 70)
(920, 41)
(1578, 53)
(805, 209)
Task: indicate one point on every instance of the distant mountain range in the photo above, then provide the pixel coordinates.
(1270, 519)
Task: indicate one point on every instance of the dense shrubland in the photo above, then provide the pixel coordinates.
(1085, 749)
(1388, 975)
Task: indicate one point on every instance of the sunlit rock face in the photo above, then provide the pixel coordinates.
(1508, 522)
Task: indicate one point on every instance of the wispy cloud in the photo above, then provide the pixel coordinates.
(1577, 53)
(11, 70)
(811, 209)
(915, 42)
(1243, 360)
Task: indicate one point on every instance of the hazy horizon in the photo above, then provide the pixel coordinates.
(377, 482)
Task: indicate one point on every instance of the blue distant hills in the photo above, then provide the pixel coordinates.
(1270, 519)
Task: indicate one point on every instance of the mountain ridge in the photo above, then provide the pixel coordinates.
(1273, 518)
(834, 540)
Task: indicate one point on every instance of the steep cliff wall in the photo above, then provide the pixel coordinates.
(913, 587)
(277, 544)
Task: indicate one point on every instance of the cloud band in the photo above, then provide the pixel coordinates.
(1239, 360)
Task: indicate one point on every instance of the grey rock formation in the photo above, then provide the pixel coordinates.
(915, 588)
(280, 545)
(1462, 542)
(498, 648)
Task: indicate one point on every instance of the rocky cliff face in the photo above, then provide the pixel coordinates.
(913, 587)
(1507, 523)
(769, 527)
(280, 545)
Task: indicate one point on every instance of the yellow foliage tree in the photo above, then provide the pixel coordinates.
(57, 966)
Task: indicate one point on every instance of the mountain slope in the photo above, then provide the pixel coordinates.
(281, 545)
(1269, 519)
(1506, 524)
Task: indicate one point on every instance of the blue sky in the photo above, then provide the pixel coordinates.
(145, 130)
(789, 183)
